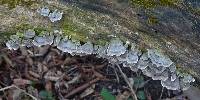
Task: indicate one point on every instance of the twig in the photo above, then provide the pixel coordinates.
(84, 86)
(161, 93)
(34, 98)
(99, 75)
(14, 86)
(5, 88)
(34, 74)
(100, 66)
(127, 81)
(1, 60)
(8, 61)
(116, 74)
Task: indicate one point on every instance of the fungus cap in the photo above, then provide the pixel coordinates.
(160, 76)
(159, 59)
(12, 45)
(55, 16)
(39, 41)
(68, 46)
(115, 48)
(159, 69)
(86, 48)
(49, 39)
(30, 33)
(101, 51)
(132, 57)
(171, 85)
(173, 76)
(27, 43)
(44, 11)
(143, 62)
(62, 45)
(188, 79)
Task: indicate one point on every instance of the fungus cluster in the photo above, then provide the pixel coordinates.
(53, 16)
(152, 63)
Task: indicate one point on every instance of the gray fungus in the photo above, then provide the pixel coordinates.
(152, 63)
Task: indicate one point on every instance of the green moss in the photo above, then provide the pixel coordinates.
(152, 20)
(38, 30)
(144, 3)
(19, 29)
(5, 36)
(101, 42)
(143, 49)
(169, 2)
(154, 3)
(148, 39)
(71, 29)
(13, 3)
(22, 26)
(80, 29)
(20, 34)
(100, 39)
(185, 71)
(25, 26)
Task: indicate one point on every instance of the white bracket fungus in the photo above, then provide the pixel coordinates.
(153, 63)
(172, 67)
(12, 45)
(30, 33)
(55, 16)
(86, 48)
(39, 41)
(101, 51)
(57, 40)
(159, 69)
(171, 85)
(49, 39)
(133, 67)
(143, 62)
(67, 46)
(116, 48)
(159, 59)
(27, 42)
(132, 57)
(173, 76)
(44, 11)
(188, 79)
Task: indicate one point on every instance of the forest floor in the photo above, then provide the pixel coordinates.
(48, 74)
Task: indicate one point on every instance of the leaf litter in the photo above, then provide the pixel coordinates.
(47, 73)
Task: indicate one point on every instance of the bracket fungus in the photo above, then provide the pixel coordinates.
(55, 16)
(116, 48)
(171, 85)
(132, 57)
(67, 46)
(39, 41)
(27, 43)
(12, 45)
(30, 33)
(86, 48)
(44, 11)
(101, 51)
(159, 59)
(152, 63)
(143, 61)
